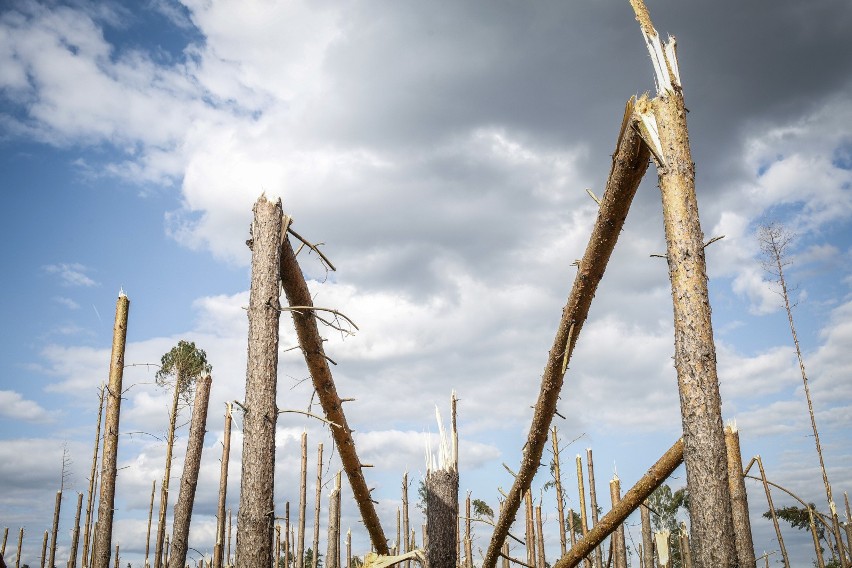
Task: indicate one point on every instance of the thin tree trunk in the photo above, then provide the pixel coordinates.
(468, 548)
(629, 164)
(303, 497)
(686, 557)
(55, 530)
(117, 557)
(405, 520)
(739, 498)
(815, 536)
(530, 528)
(109, 469)
(571, 527)
(164, 487)
(848, 522)
(20, 548)
(632, 499)
(560, 506)
(349, 547)
(189, 477)
(318, 498)
(75, 536)
(166, 552)
(584, 525)
(150, 517)
(620, 545)
(223, 491)
(5, 537)
(695, 351)
(287, 548)
(257, 485)
(44, 549)
(228, 555)
(593, 503)
(93, 476)
(332, 554)
(539, 529)
(772, 511)
(310, 341)
(661, 539)
(647, 537)
(277, 546)
(774, 240)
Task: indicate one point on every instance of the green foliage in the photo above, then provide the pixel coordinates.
(798, 518)
(357, 562)
(665, 506)
(481, 509)
(309, 559)
(184, 364)
(421, 496)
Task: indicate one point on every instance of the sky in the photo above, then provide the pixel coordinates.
(441, 151)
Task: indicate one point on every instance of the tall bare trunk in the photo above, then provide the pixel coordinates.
(539, 530)
(772, 511)
(44, 549)
(629, 164)
(405, 526)
(619, 544)
(257, 486)
(468, 548)
(529, 536)
(631, 501)
(560, 505)
(230, 532)
(311, 342)
(695, 351)
(332, 554)
(167, 475)
(277, 546)
(20, 548)
(93, 476)
(647, 537)
(318, 498)
(218, 549)
(739, 498)
(5, 537)
(55, 531)
(686, 557)
(593, 501)
(150, 517)
(815, 536)
(288, 550)
(75, 536)
(349, 547)
(303, 496)
(189, 477)
(571, 530)
(109, 469)
(581, 490)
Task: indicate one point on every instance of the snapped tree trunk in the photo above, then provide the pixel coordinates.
(189, 477)
(218, 549)
(164, 487)
(44, 549)
(739, 498)
(405, 520)
(54, 532)
(303, 496)
(581, 490)
(75, 537)
(93, 476)
(629, 164)
(560, 505)
(442, 503)
(772, 512)
(647, 537)
(310, 341)
(631, 501)
(318, 498)
(109, 470)
(593, 502)
(150, 517)
(666, 133)
(620, 545)
(20, 548)
(257, 485)
(332, 554)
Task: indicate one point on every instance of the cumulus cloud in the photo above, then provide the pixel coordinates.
(70, 274)
(13, 406)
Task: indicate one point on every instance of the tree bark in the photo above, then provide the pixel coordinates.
(560, 505)
(109, 470)
(442, 488)
(620, 545)
(581, 490)
(647, 537)
(318, 499)
(20, 548)
(632, 499)
(75, 537)
(539, 530)
(55, 530)
(739, 499)
(405, 521)
(695, 351)
(332, 554)
(219, 548)
(150, 517)
(468, 548)
(303, 497)
(593, 502)
(44, 549)
(257, 485)
(310, 341)
(772, 511)
(189, 477)
(529, 537)
(629, 164)
(93, 475)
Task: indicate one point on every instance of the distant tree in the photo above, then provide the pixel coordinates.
(180, 367)
(481, 509)
(309, 559)
(799, 518)
(665, 505)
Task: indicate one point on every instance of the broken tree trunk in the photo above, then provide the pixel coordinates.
(219, 547)
(189, 477)
(54, 533)
(303, 496)
(310, 341)
(620, 545)
(93, 475)
(629, 164)
(332, 554)
(647, 537)
(167, 476)
(665, 131)
(442, 504)
(593, 502)
(109, 470)
(739, 498)
(150, 516)
(317, 504)
(257, 485)
(560, 505)
(75, 537)
(632, 499)
(772, 511)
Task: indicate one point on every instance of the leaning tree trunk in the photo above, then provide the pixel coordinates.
(93, 475)
(560, 505)
(219, 548)
(20, 548)
(629, 164)
(75, 536)
(631, 501)
(109, 469)
(255, 518)
(189, 477)
(302, 311)
(150, 517)
(159, 559)
(665, 131)
(739, 498)
(53, 533)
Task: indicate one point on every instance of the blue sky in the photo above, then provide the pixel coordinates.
(441, 152)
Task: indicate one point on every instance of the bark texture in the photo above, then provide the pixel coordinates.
(75, 537)
(255, 517)
(560, 505)
(53, 533)
(219, 548)
(189, 477)
(310, 341)
(619, 548)
(629, 164)
(695, 351)
(106, 501)
(739, 499)
(332, 553)
(442, 509)
(632, 499)
(647, 538)
(303, 495)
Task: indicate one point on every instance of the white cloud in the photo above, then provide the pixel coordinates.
(67, 302)
(13, 406)
(71, 274)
